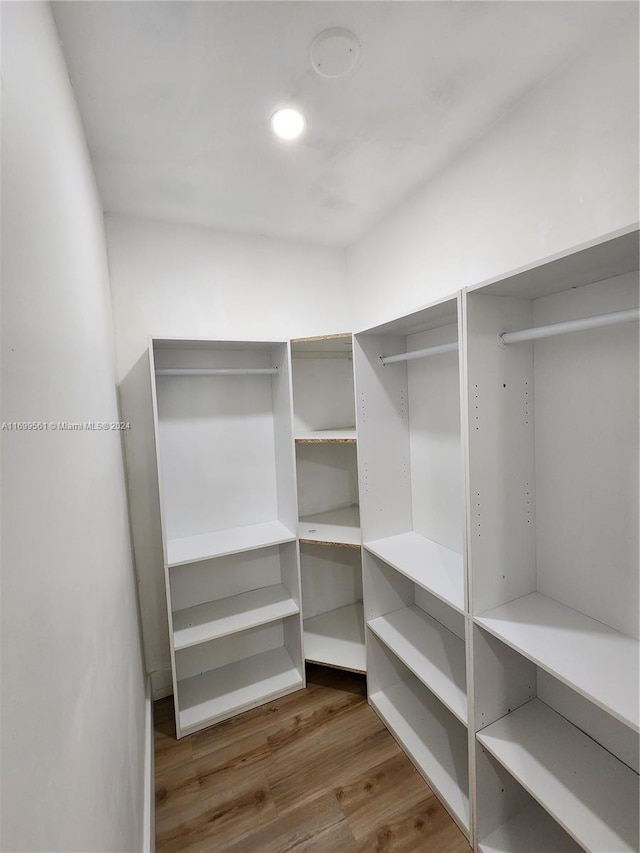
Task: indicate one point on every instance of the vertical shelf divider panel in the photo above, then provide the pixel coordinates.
(553, 551)
(412, 476)
(328, 505)
(225, 454)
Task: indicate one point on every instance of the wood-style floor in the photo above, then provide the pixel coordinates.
(314, 771)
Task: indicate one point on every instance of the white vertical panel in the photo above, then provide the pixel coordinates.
(283, 437)
(503, 679)
(586, 419)
(383, 437)
(436, 459)
(499, 796)
(385, 589)
(501, 452)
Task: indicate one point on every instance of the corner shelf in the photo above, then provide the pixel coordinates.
(233, 540)
(431, 566)
(214, 619)
(336, 638)
(346, 435)
(595, 660)
(588, 791)
(333, 527)
(329, 515)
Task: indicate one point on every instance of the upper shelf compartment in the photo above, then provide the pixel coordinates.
(323, 396)
(410, 444)
(224, 445)
(552, 392)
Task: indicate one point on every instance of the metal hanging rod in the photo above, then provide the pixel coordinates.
(214, 371)
(569, 326)
(419, 353)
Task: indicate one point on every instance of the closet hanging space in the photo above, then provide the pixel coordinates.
(224, 447)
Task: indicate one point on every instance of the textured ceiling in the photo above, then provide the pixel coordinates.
(176, 99)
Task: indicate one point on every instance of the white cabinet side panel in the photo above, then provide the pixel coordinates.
(283, 438)
(436, 459)
(501, 452)
(586, 420)
(383, 437)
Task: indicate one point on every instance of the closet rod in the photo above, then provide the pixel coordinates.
(568, 326)
(418, 353)
(213, 371)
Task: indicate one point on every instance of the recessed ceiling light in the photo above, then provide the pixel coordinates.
(287, 123)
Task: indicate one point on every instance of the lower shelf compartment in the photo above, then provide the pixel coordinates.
(433, 738)
(219, 693)
(588, 791)
(430, 651)
(336, 638)
(530, 831)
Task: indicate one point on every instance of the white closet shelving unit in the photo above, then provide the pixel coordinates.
(553, 551)
(329, 515)
(412, 498)
(225, 454)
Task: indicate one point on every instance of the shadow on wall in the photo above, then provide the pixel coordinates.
(144, 507)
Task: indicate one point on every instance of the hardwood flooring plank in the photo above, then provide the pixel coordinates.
(319, 826)
(333, 756)
(313, 771)
(379, 794)
(213, 818)
(426, 826)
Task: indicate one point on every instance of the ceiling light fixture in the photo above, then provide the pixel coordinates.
(287, 123)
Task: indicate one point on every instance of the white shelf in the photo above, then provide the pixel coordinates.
(593, 659)
(228, 615)
(336, 638)
(335, 526)
(591, 794)
(219, 693)
(439, 751)
(319, 436)
(432, 652)
(530, 831)
(233, 540)
(433, 567)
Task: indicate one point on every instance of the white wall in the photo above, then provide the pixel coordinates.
(182, 281)
(73, 709)
(559, 170)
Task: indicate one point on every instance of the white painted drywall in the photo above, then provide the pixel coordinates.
(560, 169)
(73, 697)
(181, 281)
